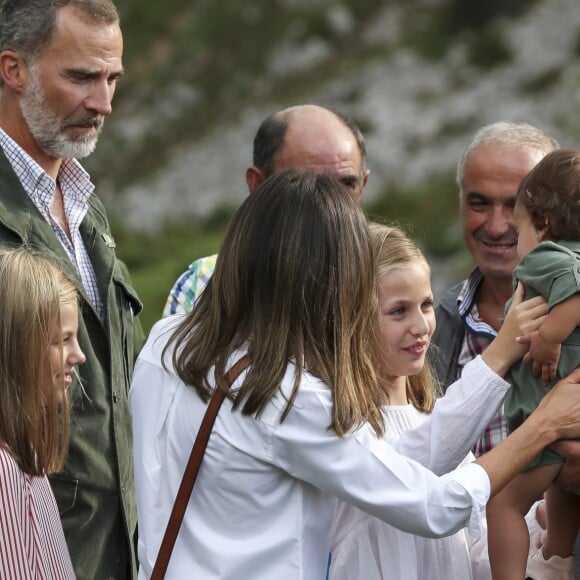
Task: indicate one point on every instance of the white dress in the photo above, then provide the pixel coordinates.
(365, 548)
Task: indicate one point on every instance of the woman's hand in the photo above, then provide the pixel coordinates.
(512, 341)
(556, 417)
(561, 406)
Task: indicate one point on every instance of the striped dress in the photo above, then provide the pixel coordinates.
(32, 544)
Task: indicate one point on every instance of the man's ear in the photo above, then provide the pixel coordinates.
(254, 177)
(13, 70)
(364, 182)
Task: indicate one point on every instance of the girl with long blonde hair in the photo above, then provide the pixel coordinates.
(38, 356)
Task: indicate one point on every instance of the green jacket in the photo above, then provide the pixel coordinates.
(95, 491)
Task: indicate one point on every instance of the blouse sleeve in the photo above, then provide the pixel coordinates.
(370, 474)
(14, 561)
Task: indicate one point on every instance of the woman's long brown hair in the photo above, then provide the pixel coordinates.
(295, 281)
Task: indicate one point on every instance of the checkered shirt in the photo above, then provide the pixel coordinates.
(76, 189)
(478, 336)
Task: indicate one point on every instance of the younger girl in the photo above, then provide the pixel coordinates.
(362, 546)
(38, 355)
(547, 216)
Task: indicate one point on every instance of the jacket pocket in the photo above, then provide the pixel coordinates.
(65, 491)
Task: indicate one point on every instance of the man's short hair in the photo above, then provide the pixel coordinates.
(513, 134)
(268, 141)
(270, 136)
(27, 26)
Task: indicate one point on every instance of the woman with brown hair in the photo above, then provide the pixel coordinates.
(294, 288)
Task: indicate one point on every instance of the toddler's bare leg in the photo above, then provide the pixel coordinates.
(563, 513)
(508, 537)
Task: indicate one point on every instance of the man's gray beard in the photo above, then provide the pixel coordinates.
(47, 129)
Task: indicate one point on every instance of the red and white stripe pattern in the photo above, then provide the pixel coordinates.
(32, 544)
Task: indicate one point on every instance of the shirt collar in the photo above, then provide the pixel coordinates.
(73, 179)
(466, 297)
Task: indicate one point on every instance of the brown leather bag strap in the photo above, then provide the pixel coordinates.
(190, 473)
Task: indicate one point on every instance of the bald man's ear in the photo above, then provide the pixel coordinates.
(13, 70)
(364, 182)
(254, 178)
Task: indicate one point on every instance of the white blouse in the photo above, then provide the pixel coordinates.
(266, 491)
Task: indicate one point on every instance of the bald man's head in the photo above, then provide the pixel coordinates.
(310, 137)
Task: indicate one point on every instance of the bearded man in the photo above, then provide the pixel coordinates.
(59, 64)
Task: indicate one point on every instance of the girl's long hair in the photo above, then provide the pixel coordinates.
(395, 250)
(34, 423)
(295, 281)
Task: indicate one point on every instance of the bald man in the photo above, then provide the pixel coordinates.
(306, 137)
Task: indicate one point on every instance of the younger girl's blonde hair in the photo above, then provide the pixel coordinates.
(34, 424)
(394, 250)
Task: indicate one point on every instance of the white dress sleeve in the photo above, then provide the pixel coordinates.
(457, 420)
